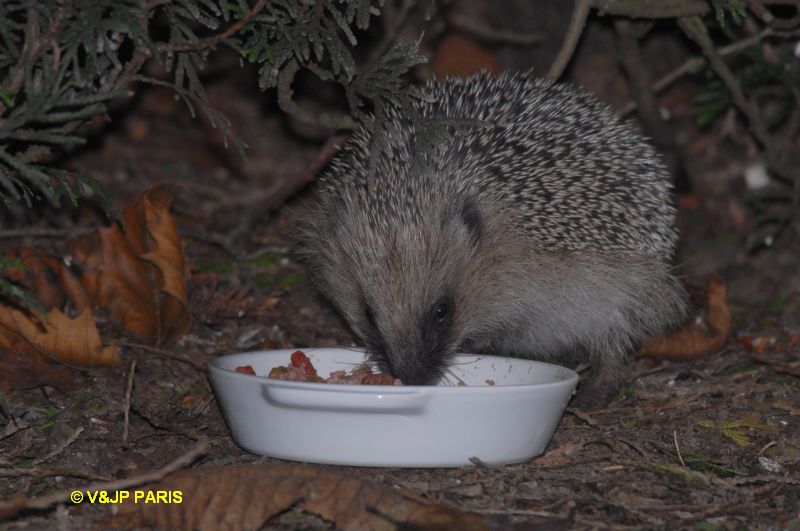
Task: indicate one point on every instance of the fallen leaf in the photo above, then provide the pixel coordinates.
(189, 400)
(694, 341)
(459, 56)
(50, 280)
(20, 369)
(747, 342)
(777, 365)
(75, 342)
(138, 272)
(560, 455)
(248, 496)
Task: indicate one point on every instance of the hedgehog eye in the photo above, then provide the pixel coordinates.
(441, 312)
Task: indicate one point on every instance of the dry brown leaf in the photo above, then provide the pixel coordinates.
(248, 496)
(28, 340)
(694, 341)
(459, 56)
(778, 365)
(561, 455)
(138, 272)
(21, 369)
(48, 278)
(74, 342)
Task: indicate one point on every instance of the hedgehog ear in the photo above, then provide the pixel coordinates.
(471, 217)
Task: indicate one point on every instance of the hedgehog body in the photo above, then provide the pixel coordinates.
(543, 231)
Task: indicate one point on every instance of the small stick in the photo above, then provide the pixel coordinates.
(677, 448)
(216, 39)
(128, 403)
(588, 419)
(490, 34)
(42, 472)
(42, 233)
(574, 31)
(768, 445)
(60, 448)
(21, 502)
(695, 63)
(165, 353)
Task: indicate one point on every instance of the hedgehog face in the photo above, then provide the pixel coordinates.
(399, 285)
(417, 354)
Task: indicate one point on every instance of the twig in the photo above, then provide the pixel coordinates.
(640, 85)
(771, 478)
(216, 39)
(262, 203)
(672, 404)
(43, 472)
(522, 512)
(398, 20)
(21, 502)
(164, 353)
(574, 31)
(14, 426)
(32, 49)
(695, 30)
(42, 233)
(764, 449)
(60, 448)
(588, 419)
(766, 16)
(651, 8)
(486, 33)
(128, 403)
(286, 187)
(677, 448)
(696, 63)
(287, 104)
(792, 368)
(156, 3)
(479, 463)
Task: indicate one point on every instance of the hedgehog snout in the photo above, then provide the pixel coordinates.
(403, 363)
(416, 374)
(413, 367)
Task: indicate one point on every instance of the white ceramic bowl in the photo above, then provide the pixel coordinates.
(393, 426)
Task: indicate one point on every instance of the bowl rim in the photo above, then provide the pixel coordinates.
(571, 377)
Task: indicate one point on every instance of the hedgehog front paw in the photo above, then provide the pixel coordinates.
(604, 382)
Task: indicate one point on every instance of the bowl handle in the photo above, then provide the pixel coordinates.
(411, 402)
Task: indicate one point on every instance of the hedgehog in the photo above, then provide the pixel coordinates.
(543, 229)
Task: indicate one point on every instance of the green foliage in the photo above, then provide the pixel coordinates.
(753, 71)
(12, 291)
(735, 8)
(220, 267)
(58, 62)
(769, 80)
(699, 462)
(62, 61)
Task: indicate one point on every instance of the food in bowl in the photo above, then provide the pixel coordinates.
(300, 369)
